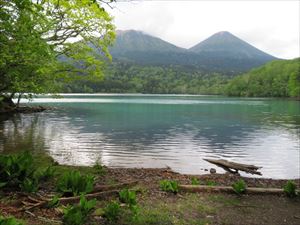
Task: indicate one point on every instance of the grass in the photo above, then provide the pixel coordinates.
(225, 200)
(188, 210)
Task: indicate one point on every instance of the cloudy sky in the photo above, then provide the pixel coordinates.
(272, 26)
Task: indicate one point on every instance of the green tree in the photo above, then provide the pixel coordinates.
(47, 42)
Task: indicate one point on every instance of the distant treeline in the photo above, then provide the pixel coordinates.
(274, 79)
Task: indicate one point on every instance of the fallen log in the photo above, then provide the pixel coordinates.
(233, 167)
(227, 189)
(97, 195)
(98, 188)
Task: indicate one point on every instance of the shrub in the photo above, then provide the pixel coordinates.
(9, 221)
(77, 215)
(15, 170)
(128, 197)
(195, 181)
(239, 187)
(30, 185)
(169, 186)
(54, 202)
(74, 183)
(290, 189)
(112, 211)
(211, 183)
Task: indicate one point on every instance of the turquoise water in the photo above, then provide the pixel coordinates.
(161, 130)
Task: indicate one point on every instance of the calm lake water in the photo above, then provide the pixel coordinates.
(161, 130)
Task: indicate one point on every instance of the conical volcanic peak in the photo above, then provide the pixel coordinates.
(229, 45)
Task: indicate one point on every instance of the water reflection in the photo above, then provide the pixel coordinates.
(135, 134)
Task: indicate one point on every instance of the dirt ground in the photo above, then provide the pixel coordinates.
(158, 207)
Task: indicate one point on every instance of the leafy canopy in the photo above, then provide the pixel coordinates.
(45, 42)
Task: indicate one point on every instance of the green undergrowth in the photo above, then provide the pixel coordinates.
(135, 206)
(239, 187)
(74, 183)
(78, 214)
(10, 221)
(290, 189)
(169, 186)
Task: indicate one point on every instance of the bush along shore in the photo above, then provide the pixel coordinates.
(36, 190)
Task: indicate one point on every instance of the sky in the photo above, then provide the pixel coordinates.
(272, 26)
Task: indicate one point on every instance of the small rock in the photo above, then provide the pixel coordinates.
(212, 170)
(205, 169)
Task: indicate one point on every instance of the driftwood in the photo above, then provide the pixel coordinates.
(99, 192)
(98, 188)
(227, 189)
(233, 167)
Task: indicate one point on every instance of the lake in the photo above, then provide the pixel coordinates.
(161, 130)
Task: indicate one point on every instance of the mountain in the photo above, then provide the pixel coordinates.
(228, 45)
(222, 52)
(131, 40)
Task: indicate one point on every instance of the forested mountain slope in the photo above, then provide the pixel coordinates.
(275, 79)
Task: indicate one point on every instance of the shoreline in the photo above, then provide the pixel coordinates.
(150, 176)
(156, 206)
(22, 109)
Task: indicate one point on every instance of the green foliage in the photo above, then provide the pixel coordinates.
(169, 186)
(9, 221)
(294, 84)
(73, 182)
(112, 211)
(77, 215)
(211, 183)
(54, 202)
(274, 79)
(290, 189)
(128, 197)
(128, 78)
(30, 185)
(37, 47)
(239, 187)
(46, 174)
(195, 181)
(17, 171)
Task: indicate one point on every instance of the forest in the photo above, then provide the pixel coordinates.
(279, 78)
(275, 79)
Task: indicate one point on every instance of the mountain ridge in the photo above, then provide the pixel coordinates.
(221, 52)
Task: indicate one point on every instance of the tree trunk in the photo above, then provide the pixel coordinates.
(227, 189)
(19, 98)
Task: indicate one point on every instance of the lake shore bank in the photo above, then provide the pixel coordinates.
(157, 206)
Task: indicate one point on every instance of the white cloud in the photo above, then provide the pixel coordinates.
(272, 26)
